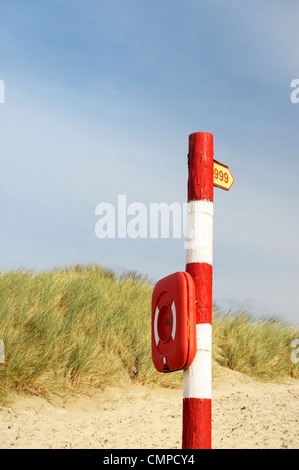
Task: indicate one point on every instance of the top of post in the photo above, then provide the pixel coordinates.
(200, 166)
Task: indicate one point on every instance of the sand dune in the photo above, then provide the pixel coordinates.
(246, 414)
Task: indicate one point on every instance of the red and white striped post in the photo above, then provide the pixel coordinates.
(197, 387)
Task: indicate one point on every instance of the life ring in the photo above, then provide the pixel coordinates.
(173, 322)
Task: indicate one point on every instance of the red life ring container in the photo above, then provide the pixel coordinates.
(173, 322)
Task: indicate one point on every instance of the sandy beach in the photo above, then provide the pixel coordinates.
(246, 414)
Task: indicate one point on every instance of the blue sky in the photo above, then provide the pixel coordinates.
(100, 98)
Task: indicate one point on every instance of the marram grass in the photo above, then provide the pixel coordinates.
(79, 328)
(260, 348)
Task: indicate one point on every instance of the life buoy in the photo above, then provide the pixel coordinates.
(173, 322)
(167, 323)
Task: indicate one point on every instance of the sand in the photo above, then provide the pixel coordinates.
(247, 414)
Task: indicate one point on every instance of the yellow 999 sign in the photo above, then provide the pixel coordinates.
(222, 176)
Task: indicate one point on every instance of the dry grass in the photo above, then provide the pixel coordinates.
(77, 328)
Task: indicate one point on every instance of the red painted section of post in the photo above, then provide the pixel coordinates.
(197, 403)
(197, 425)
(200, 167)
(202, 274)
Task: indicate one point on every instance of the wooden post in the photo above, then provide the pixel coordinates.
(197, 388)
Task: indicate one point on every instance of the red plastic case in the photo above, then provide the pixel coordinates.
(173, 322)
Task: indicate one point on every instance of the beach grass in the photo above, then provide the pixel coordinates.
(260, 348)
(79, 328)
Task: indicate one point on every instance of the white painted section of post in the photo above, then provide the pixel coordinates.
(199, 232)
(198, 377)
